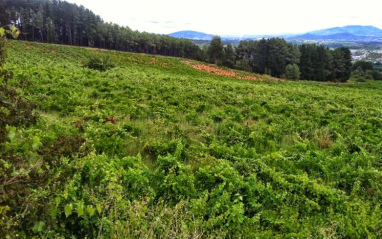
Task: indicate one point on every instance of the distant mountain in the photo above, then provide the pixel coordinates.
(354, 30)
(201, 36)
(347, 33)
(352, 33)
(193, 35)
(328, 37)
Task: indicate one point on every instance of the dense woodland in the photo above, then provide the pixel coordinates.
(273, 56)
(56, 21)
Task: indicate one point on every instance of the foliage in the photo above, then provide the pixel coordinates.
(322, 64)
(101, 63)
(342, 64)
(363, 70)
(317, 63)
(377, 75)
(3, 52)
(215, 50)
(14, 111)
(229, 56)
(363, 66)
(14, 32)
(292, 72)
(268, 56)
(154, 148)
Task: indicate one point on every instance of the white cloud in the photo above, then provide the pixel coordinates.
(236, 17)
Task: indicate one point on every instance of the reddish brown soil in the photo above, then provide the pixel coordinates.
(213, 69)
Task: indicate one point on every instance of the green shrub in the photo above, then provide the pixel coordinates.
(100, 63)
(14, 32)
(377, 75)
(360, 80)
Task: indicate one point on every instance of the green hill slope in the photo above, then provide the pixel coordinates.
(155, 148)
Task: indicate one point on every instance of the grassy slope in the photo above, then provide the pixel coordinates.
(267, 159)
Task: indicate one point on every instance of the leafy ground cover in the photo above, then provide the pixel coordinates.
(154, 148)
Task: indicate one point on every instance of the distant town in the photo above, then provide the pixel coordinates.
(374, 56)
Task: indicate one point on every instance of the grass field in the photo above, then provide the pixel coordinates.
(157, 148)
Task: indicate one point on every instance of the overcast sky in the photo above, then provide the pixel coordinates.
(237, 17)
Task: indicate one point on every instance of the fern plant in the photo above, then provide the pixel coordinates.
(101, 63)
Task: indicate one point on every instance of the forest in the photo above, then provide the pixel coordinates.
(279, 58)
(55, 21)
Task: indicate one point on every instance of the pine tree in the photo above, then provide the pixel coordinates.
(306, 65)
(229, 56)
(342, 64)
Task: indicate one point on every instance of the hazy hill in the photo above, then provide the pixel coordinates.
(354, 30)
(353, 33)
(346, 33)
(193, 35)
(334, 37)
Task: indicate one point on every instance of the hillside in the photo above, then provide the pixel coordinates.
(67, 23)
(163, 147)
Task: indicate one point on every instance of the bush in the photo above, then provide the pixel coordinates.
(243, 65)
(363, 66)
(12, 31)
(376, 75)
(360, 80)
(368, 75)
(100, 63)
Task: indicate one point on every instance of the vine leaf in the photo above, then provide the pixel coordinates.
(68, 209)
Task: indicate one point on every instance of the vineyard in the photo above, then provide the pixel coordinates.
(160, 147)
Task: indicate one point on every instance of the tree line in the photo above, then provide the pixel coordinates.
(55, 21)
(278, 58)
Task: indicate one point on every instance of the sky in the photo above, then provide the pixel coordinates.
(239, 17)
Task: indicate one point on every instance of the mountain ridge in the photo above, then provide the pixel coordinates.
(356, 30)
(357, 33)
(192, 35)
